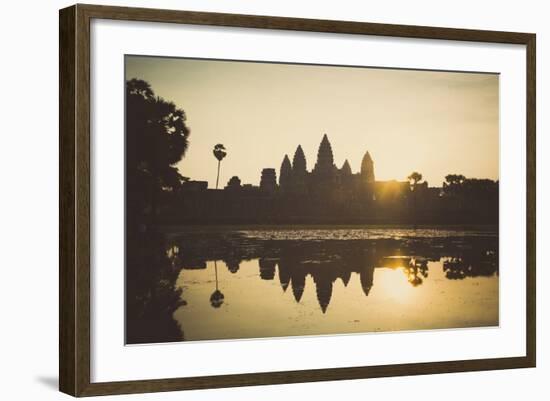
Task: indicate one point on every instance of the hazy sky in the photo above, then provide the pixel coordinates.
(435, 123)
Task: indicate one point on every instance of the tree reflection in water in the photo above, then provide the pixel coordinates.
(151, 296)
(216, 299)
(471, 263)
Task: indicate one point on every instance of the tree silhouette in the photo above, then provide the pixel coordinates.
(454, 179)
(219, 153)
(414, 180)
(452, 183)
(157, 139)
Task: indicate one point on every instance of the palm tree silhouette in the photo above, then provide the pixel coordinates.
(219, 153)
(414, 179)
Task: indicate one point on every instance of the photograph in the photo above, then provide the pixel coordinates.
(268, 199)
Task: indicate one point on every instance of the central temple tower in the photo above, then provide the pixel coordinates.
(324, 175)
(367, 168)
(325, 160)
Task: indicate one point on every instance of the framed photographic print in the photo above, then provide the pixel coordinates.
(252, 200)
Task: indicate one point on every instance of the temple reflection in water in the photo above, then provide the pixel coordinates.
(327, 261)
(214, 284)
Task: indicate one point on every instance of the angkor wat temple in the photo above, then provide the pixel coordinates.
(325, 180)
(329, 195)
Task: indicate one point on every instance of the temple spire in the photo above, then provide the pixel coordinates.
(325, 159)
(285, 174)
(299, 172)
(324, 291)
(346, 169)
(299, 160)
(367, 168)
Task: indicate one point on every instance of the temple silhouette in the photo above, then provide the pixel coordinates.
(327, 194)
(325, 180)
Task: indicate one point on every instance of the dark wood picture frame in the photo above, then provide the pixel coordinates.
(74, 206)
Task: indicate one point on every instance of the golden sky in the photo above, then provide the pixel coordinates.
(435, 123)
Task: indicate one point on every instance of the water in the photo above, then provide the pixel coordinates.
(249, 283)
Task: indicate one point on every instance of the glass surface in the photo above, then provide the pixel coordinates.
(281, 199)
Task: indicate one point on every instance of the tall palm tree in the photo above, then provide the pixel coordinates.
(219, 153)
(414, 179)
